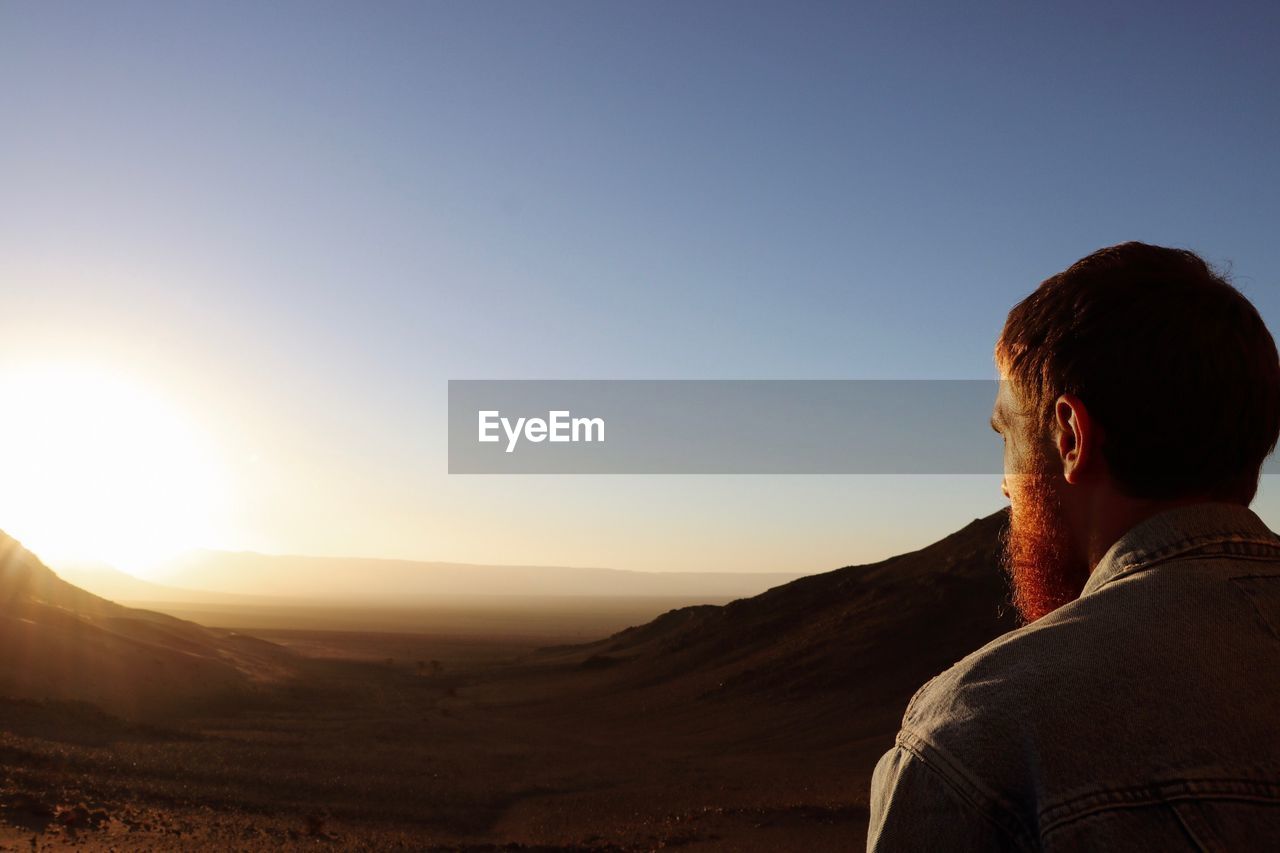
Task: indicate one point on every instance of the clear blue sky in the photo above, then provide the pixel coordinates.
(302, 219)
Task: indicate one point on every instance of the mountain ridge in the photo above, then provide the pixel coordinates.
(373, 579)
(858, 638)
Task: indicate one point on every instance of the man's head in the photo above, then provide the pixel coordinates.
(1135, 380)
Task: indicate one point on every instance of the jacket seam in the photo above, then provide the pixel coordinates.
(1156, 800)
(1186, 822)
(987, 804)
(1193, 786)
(1188, 549)
(1243, 590)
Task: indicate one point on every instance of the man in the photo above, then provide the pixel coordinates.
(1139, 707)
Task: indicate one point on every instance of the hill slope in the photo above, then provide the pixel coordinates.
(59, 642)
(854, 641)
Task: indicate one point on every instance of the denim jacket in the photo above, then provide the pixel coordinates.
(1145, 715)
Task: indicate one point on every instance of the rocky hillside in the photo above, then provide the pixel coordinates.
(59, 642)
(860, 638)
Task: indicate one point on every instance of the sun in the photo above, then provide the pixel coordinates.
(95, 466)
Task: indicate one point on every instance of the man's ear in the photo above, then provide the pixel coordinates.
(1076, 437)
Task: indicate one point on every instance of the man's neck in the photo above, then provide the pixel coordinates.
(1114, 515)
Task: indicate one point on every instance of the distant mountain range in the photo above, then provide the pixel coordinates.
(242, 577)
(109, 582)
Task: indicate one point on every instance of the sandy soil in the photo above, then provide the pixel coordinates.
(370, 751)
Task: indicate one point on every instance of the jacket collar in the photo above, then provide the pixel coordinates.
(1181, 530)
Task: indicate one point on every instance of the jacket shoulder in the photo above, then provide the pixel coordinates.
(996, 693)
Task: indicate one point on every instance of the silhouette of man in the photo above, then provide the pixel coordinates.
(1139, 706)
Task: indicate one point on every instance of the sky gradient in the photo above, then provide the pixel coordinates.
(295, 222)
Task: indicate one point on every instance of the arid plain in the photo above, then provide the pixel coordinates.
(748, 725)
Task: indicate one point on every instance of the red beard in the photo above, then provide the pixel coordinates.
(1046, 571)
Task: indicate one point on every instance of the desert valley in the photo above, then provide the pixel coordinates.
(747, 725)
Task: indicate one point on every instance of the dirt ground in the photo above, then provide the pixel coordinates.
(409, 741)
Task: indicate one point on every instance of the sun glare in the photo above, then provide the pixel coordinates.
(93, 466)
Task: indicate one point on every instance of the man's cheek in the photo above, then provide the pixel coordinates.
(1014, 463)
